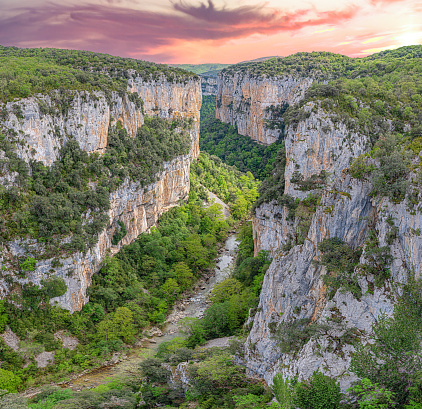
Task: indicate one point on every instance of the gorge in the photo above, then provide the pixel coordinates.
(321, 151)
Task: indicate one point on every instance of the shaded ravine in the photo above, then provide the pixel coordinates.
(192, 307)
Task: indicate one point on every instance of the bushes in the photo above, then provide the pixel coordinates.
(340, 261)
(224, 290)
(291, 336)
(377, 260)
(283, 390)
(272, 187)
(120, 233)
(390, 178)
(314, 182)
(320, 392)
(153, 369)
(393, 360)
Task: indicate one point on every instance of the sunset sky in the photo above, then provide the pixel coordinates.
(191, 31)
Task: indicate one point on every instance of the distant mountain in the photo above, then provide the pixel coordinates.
(211, 70)
(201, 68)
(261, 59)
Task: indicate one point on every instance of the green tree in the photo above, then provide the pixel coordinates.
(394, 359)
(183, 274)
(372, 396)
(9, 381)
(240, 208)
(224, 290)
(283, 391)
(117, 325)
(3, 316)
(221, 370)
(170, 288)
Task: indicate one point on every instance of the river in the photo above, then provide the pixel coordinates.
(194, 307)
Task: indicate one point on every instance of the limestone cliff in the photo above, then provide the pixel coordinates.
(293, 287)
(41, 128)
(171, 100)
(209, 85)
(248, 102)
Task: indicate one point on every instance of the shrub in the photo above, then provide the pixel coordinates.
(283, 391)
(292, 336)
(340, 261)
(390, 178)
(224, 290)
(121, 232)
(154, 370)
(377, 260)
(394, 360)
(372, 396)
(320, 392)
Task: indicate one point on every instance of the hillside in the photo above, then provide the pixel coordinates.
(75, 165)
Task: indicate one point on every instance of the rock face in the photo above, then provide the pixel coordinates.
(293, 287)
(171, 100)
(245, 101)
(42, 134)
(209, 85)
(87, 120)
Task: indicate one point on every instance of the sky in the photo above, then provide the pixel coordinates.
(211, 31)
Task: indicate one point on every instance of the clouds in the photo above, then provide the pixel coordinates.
(183, 30)
(126, 31)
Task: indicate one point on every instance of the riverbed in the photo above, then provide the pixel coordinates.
(193, 306)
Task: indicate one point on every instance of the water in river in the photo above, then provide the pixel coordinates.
(195, 308)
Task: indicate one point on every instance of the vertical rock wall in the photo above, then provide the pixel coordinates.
(41, 129)
(243, 101)
(293, 287)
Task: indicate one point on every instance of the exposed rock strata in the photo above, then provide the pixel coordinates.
(87, 120)
(242, 101)
(172, 100)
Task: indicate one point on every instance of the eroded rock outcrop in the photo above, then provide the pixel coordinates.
(246, 101)
(293, 287)
(41, 128)
(172, 100)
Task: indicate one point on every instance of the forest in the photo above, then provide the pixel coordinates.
(25, 72)
(222, 140)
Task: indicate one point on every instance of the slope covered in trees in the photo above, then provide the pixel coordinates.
(222, 140)
(27, 71)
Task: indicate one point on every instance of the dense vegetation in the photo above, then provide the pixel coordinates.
(50, 203)
(28, 71)
(222, 140)
(233, 187)
(134, 289)
(232, 299)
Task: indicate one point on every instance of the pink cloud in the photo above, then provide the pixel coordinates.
(127, 32)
